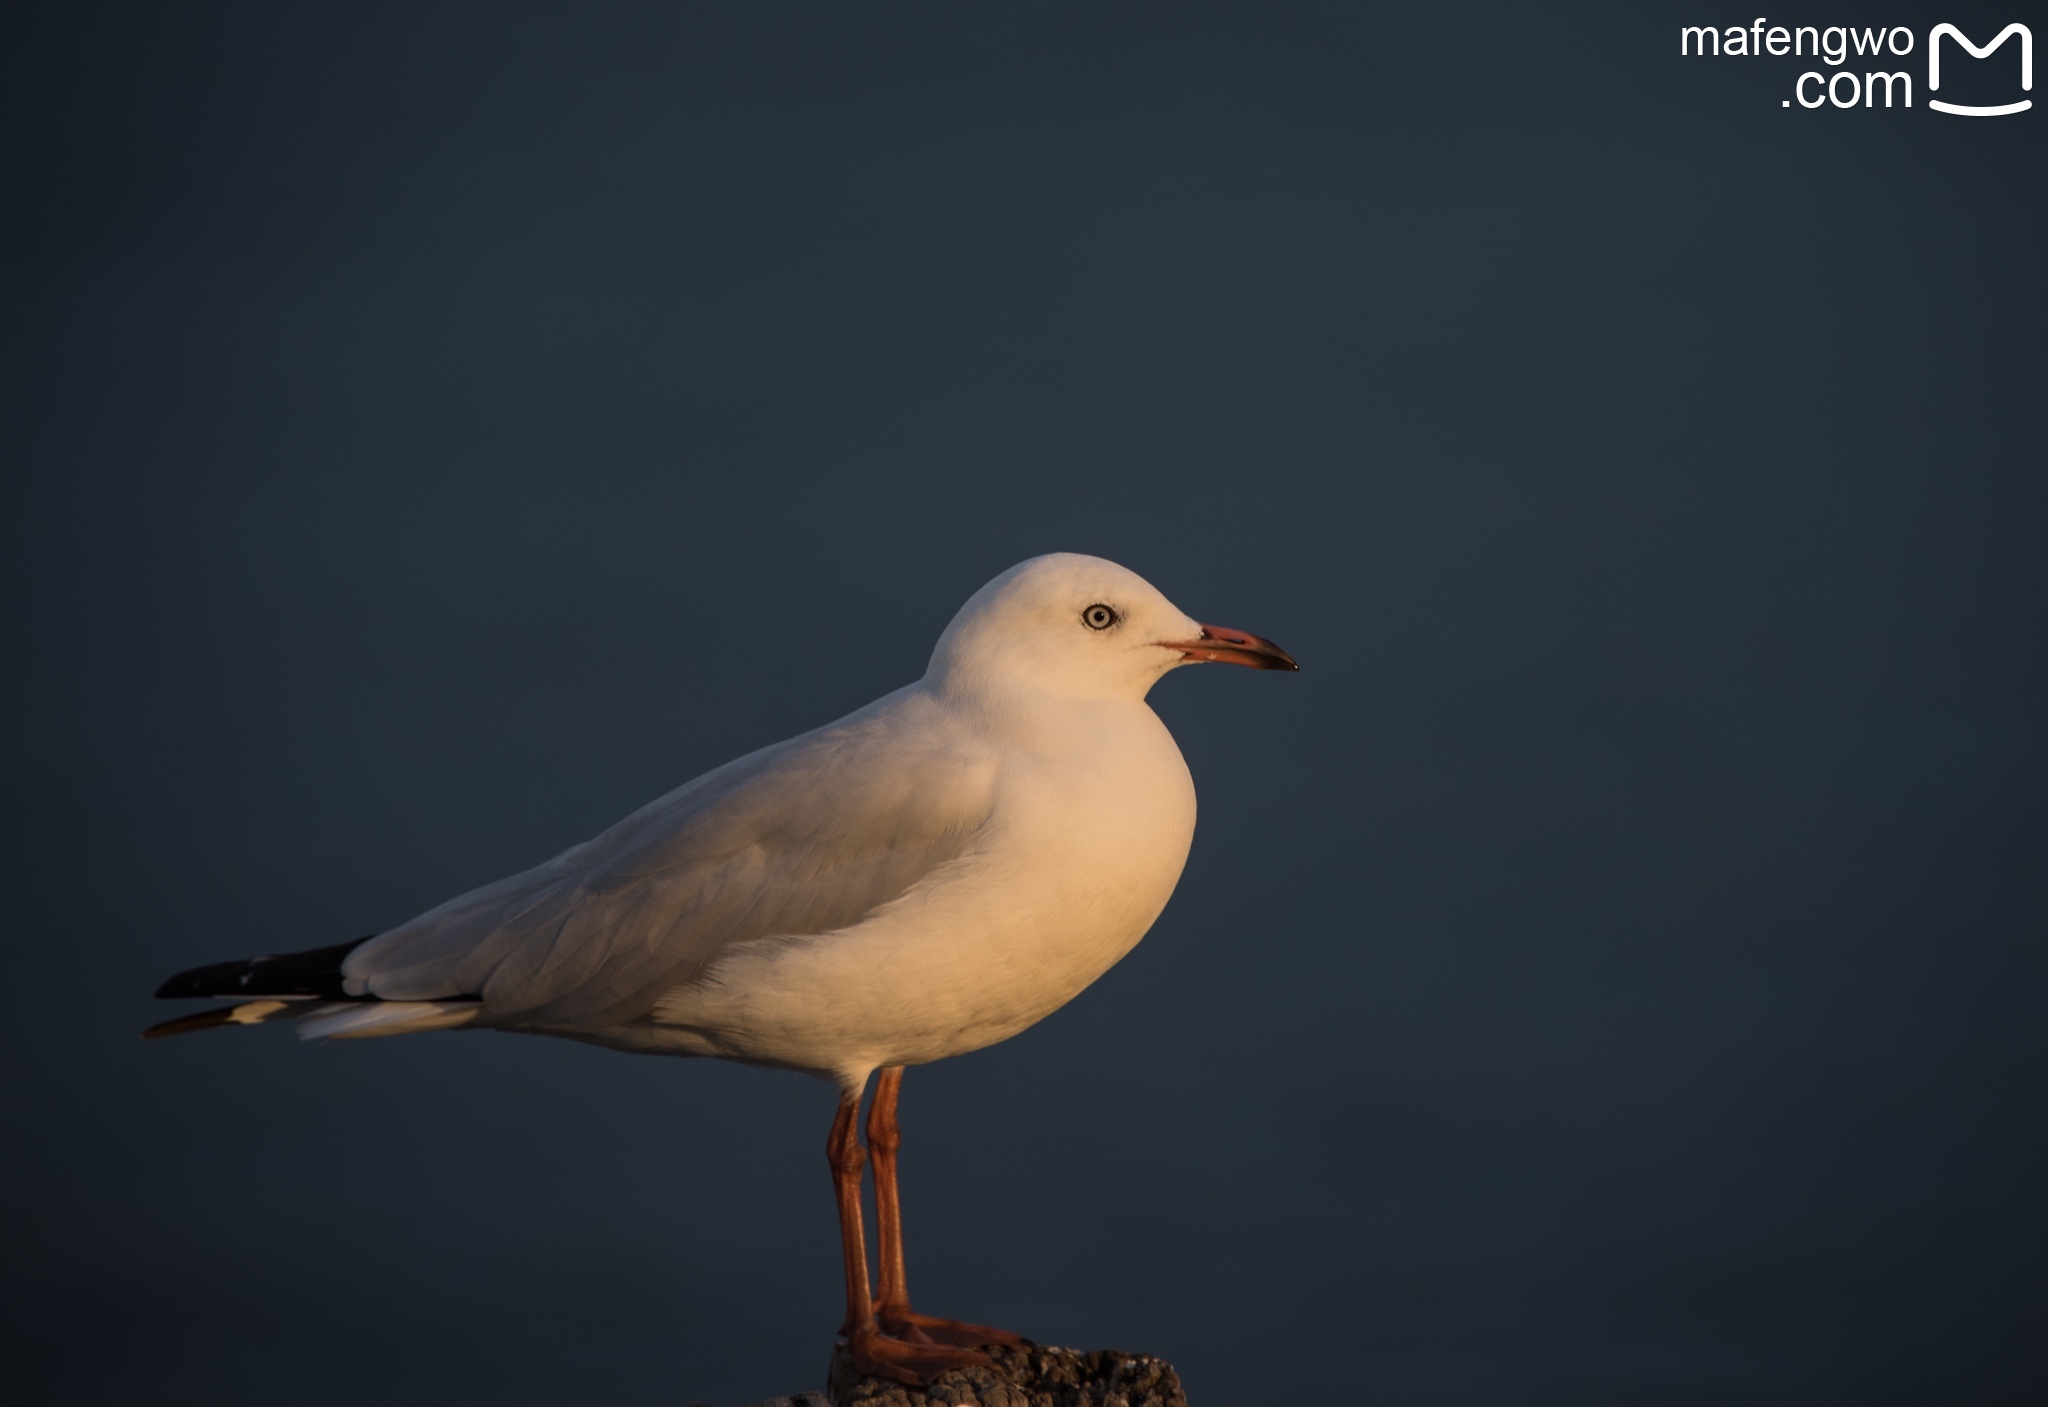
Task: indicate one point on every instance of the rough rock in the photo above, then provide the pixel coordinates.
(1022, 1377)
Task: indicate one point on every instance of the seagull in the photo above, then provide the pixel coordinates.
(929, 875)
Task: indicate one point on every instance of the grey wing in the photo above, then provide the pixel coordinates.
(799, 839)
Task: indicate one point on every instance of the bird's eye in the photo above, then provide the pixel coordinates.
(1099, 617)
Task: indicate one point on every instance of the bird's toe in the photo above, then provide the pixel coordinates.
(882, 1355)
(907, 1324)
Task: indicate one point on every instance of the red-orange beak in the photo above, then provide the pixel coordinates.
(1222, 645)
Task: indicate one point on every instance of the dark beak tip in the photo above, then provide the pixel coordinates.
(1239, 647)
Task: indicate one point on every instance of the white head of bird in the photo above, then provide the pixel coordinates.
(1080, 627)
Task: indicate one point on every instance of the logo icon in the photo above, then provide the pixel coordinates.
(2026, 68)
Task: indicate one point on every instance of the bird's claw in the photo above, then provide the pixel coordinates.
(903, 1322)
(882, 1355)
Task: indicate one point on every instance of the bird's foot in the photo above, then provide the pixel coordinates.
(903, 1322)
(881, 1355)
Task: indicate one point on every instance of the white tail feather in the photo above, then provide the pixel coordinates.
(345, 1021)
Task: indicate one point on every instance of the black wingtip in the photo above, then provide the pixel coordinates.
(214, 980)
(314, 973)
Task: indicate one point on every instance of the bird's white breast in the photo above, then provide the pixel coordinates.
(1093, 814)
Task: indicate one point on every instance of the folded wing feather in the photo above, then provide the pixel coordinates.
(796, 840)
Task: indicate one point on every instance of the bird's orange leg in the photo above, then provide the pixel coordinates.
(873, 1352)
(892, 1297)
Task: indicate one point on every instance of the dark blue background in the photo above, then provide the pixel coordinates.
(1611, 972)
